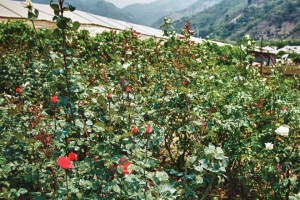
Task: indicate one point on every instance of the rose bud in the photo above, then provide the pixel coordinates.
(109, 96)
(18, 90)
(128, 89)
(148, 129)
(54, 99)
(135, 130)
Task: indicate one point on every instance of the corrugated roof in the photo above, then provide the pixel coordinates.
(94, 23)
(266, 49)
(290, 49)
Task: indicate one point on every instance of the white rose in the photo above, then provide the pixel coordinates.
(282, 131)
(269, 146)
(28, 3)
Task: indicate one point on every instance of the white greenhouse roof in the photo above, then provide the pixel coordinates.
(93, 23)
(290, 49)
(16, 10)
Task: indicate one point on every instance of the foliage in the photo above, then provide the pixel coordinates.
(282, 43)
(203, 117)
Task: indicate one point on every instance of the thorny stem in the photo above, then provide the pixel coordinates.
(110, 122)
(129, 118)
(67, 183)
(288, 185)
(65, 63)
(147, 145)
(209, 187)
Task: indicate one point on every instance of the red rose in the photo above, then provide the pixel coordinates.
(261, 99)
(54, 99)
(184, 82)
(256, 105)
(122, 160)
(279, 167)
(148, 129)
(128, 89)
(212, 110)
(125, 166)
(18, 90)
(64, 162)
(73, 156)
(284, 108)
(122, 82)
(109, 96)
(134, 130)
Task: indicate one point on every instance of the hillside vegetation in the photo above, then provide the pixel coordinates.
(233, 19)
(193, 9)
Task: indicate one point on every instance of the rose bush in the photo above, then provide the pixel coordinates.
(203, 116)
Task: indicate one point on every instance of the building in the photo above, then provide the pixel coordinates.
(265, 56)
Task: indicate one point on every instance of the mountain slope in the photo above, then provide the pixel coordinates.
(151, 12)
(193, 9)
(98, 7)
(232, 19)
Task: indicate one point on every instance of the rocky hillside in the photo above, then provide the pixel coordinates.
(193, 9)
(232, 19)
(149, 13)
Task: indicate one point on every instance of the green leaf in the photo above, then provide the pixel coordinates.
(61, 23)
(100, 126)
(22, 191)
(31, 16)
(71, 7)
(198, 168)
(183, 89)
(211, 133)
(54, 6)
(75, 26)
(116, 188)
(89, 123)
(162, 176)
(36, 12)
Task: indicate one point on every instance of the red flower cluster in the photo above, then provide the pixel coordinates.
(65, 162)
(125, 166)
(54, 99)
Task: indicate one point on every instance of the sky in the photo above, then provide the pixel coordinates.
(123, 3)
